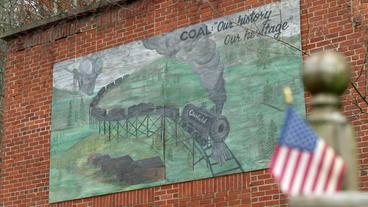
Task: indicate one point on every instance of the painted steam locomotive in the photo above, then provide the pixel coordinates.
(203, 125)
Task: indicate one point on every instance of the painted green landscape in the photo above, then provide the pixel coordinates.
(204, 109)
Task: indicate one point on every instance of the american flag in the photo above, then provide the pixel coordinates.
(302, 163)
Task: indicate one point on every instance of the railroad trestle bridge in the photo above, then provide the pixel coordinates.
(165, 123)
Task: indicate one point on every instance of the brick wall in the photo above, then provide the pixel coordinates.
(325, 24)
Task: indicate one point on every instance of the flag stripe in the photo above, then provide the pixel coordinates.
(274, 157)
(279, 163)
(341, 178)
(285, 181)
(335, 176)
(283, 171)
(312, 170)
(305, 176)
(299, 174)
(319, 168)
(295, 169)
(318, 188)
(327, 181)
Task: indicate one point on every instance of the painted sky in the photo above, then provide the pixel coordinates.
(133, 56)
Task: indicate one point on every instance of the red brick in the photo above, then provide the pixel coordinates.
(27, 108)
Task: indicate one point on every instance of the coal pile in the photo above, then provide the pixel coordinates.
(126, 170)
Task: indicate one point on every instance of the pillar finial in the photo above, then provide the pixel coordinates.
(326, 73)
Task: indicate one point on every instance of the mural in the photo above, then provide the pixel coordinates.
(198, 102)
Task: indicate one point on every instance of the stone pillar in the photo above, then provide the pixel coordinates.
(326, 76)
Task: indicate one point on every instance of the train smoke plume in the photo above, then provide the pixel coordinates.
(201, 54)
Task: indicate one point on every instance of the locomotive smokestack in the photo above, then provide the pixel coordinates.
(200, 52)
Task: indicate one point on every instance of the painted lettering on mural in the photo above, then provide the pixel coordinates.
(262, 20)
(254, 17)
(198, 116)
(195, 33)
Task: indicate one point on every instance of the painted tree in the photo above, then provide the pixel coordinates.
(271, 138)
(82, 111)
(267, 92)
(261, 135)
(69, 120)
(259, 119)
(263, 55)
(76, 117)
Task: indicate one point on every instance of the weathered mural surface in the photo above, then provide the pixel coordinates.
(199, 102)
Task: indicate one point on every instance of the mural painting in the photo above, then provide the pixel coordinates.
(195, 103)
